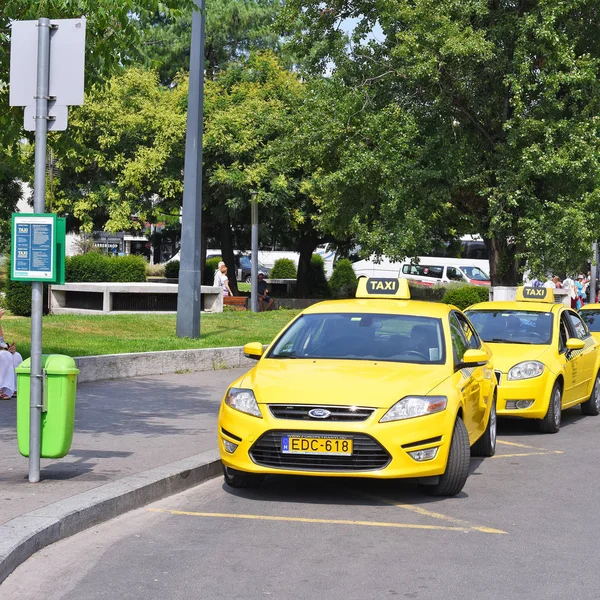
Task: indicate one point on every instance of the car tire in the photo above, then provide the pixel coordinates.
(457, 468)
(551, 422)
(486, 444)
(240, 479)
(248, 279)
(592, 405)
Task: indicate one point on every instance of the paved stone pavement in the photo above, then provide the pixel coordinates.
(122, 427)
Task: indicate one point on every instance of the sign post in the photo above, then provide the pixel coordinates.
(45, 71)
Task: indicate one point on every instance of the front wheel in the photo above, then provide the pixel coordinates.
(486, 444)
(457, 469)
(592, 405)
(240, 479)
(551, 422)
(248, 279)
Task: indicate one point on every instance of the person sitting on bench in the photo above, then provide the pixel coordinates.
(263, 293)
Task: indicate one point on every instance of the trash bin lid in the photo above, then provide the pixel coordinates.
(53, 364)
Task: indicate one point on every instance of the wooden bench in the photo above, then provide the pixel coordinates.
(238, 302)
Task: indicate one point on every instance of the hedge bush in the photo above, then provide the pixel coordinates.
(210, 267)
(343, 280)
(284, 268)
(172, 269)
(93, 267)
(463, 296)
(318, 287)
(18, 298)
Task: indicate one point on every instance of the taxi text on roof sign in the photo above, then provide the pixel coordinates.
(383, 287)
(535, 294)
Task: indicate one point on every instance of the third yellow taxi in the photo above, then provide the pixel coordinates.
(546, 360)
(374, 386)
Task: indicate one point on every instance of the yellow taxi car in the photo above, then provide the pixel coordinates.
(375, 386)
(546, 359)
(590, 313)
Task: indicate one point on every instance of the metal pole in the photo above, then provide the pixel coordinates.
(254, 270)
(594, 272)
(190, 279)
(39, 206)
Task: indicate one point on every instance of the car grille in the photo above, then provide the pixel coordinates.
(368, 455)
(498, 376)
(299, 412)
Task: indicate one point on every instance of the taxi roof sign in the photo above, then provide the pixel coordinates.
(383, 287)
(535, 294)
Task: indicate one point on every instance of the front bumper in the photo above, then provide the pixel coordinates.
(536, 390)
(257, 438)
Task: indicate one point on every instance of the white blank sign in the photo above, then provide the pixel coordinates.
(67, 61)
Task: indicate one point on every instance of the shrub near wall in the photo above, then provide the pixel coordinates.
(284, 268)
(464, 296)
(343, 280)
(95, 267)
(209, 270)
(172, 269)
(317, 282)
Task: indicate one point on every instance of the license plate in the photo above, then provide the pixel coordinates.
(294, 444)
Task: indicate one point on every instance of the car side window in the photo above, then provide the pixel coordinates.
(454, 274)
(579, 327)
(565, 333)
(473, 340)
(459, 342)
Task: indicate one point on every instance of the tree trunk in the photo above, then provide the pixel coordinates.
(306, 247)
(504, 267)
(228, 256)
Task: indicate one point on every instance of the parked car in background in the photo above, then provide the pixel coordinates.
(243, 267)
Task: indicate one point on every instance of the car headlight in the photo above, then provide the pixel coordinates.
(415, 406)
(526, 370)
(244, 401)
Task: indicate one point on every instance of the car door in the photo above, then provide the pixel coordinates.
(585, 359)
(568, 362)
(465, 380)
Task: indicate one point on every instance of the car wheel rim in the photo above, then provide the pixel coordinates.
(597, 393)
(557, 408)
(493, 425)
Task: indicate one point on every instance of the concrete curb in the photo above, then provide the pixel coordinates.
(23, 536)
(138, 364)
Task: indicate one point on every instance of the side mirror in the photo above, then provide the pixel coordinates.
(475, 357)
(253, 350)
(575, 344)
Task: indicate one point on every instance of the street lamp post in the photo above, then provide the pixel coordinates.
(254, 269)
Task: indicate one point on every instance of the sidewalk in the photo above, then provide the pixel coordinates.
(122, 428)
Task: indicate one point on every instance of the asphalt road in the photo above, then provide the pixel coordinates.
(526, 526)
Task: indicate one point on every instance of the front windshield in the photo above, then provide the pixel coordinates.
(356, 336)
(475, 273)
(591, 319)
(512, 326)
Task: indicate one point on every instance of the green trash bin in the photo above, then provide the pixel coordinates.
(59, 390)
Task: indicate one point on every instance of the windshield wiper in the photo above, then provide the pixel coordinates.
(502, 341)
(286, 354)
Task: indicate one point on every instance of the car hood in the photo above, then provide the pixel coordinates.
(340, 382)
(507, 356)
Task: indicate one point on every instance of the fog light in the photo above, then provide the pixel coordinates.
(422, 455)
(524, 403)
(229, 446)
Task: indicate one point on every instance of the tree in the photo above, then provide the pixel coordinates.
(127, 159)
(476, 116)
(233, 30)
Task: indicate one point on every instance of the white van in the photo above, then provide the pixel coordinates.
(428, 271)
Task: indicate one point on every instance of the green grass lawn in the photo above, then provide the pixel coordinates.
(83, 335)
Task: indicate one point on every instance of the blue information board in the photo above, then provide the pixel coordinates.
(33, 255)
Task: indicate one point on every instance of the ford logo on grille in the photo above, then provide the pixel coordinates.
(319, 413)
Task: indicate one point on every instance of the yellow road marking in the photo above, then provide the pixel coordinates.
(434, 515)
(528, 454)
(305, 520)
(526, 446)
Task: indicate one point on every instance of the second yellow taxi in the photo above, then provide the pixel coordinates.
(546, 360)
(375, 386)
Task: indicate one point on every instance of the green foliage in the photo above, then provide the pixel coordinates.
(318, 287)
(343, 280)
(427, 293)
(94, 267)
(284, 268)
(463, 296)
(18, 298)
(172, 269)
(210, 267)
